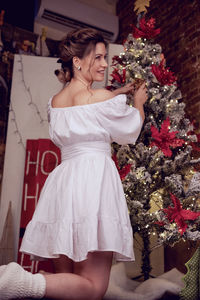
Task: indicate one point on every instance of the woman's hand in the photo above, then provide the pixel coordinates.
(138, 90)
(129, 87)
(140, 95)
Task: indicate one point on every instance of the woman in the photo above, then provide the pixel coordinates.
(81, 221)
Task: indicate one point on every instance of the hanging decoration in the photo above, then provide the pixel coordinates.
(41, 46)
(27, 47)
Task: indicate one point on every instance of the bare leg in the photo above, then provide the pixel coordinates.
(89, 281)
(63, 264)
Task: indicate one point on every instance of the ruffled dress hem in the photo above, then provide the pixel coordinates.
(97, 235)
(116, 256)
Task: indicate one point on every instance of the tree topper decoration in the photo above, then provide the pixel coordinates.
(141, 6)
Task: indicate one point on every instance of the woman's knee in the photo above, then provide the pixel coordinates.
(63, 264)
(99, 291)
(96, 269)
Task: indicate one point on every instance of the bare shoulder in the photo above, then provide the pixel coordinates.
(66, 98)
(102, 95)
(59, 100)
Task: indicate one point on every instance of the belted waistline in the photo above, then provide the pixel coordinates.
(93, 147)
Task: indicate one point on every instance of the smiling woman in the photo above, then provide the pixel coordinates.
(83, 57)
(80, 44)
(81, 220)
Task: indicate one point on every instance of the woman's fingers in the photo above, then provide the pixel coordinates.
(143, 86)
(141, 94)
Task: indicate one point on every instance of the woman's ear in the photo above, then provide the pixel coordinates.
(76, 62)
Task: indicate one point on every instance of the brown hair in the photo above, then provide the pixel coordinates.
(78, 43)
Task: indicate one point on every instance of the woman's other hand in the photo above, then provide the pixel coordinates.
(140, 95)
(130, 87)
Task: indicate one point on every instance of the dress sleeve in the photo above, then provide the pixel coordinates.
(123, 122)
(49, 118)
(49, 109)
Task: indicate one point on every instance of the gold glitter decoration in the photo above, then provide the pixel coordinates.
(156, 201)
(188, 176)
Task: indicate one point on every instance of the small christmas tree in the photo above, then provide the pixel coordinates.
(161, 184)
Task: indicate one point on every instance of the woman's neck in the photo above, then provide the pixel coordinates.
(82, 81)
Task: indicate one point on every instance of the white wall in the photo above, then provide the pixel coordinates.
(38, 73)
(93, 13)
(105, 5)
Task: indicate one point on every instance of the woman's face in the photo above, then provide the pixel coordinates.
(94, 64)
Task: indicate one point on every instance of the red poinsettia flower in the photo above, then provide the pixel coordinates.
(163, 75)
(118, 77)
(109, 87)
(124, 171)
(179, 215)
(117, 60)
(159, 223)
(146, 29)
(164, 139)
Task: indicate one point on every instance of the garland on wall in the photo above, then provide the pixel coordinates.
(30, 102)
(27, 89)
(16, 131)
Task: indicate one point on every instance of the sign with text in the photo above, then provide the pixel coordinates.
(42, 156)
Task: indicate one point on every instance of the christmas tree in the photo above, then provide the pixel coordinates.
(159, 172)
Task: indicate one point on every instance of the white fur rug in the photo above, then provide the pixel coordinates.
(123, 288)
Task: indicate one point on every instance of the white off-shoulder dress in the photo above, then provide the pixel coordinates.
(82, 207)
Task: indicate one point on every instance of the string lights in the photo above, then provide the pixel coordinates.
(27, 89)
(30, 102)
(16, 131)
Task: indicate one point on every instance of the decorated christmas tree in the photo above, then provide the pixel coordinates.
(159, 172)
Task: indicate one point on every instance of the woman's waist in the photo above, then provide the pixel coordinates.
(85, 148)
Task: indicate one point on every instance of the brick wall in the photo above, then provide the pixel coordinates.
(179, 21)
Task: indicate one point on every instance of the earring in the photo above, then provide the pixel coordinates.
(79, 68)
